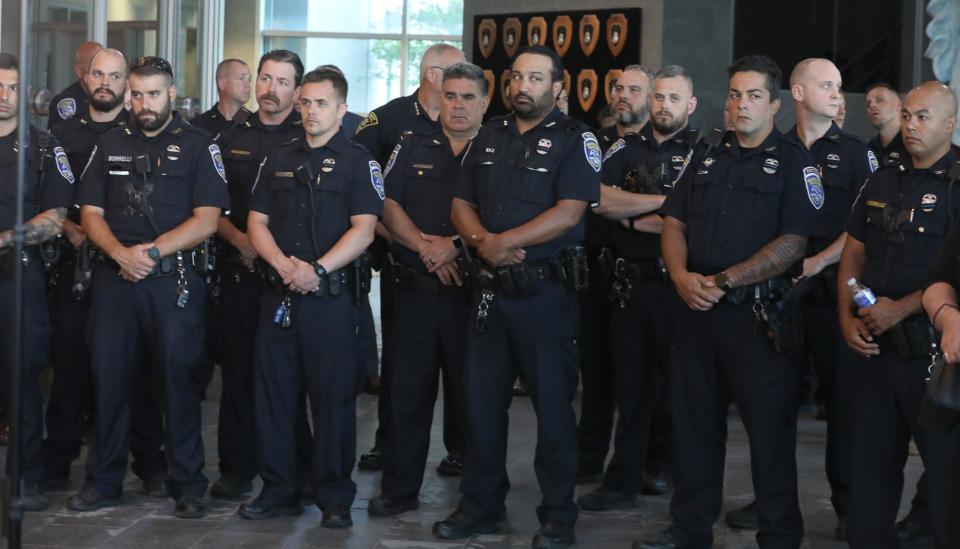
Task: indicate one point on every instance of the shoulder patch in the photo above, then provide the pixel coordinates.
(872, 160)
(376, 178)
(392, 160)
(811, 180)
(370, 120)
(217, 160)
(63, 164)
(617, 146)
(66, 108)
(591, 150)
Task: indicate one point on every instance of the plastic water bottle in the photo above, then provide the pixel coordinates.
(862, 296)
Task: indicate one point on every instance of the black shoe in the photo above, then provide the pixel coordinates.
(605, 499)
(382, 506)
(656, 484)
(914, 530)
(371, 460)
(520, 389)
(745, 518)
(664, 541)
(554, 535)
(460, 525)
(32, 499)
(587, 477)
(451, 466)
(258, 510)
(230, 488)
(156, 486)
(190, 507)
(89, 499)
(840, 532)
(336, 517)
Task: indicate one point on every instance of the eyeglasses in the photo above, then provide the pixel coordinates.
(153, 62)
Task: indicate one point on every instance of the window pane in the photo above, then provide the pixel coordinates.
(435, 17)
(414, 53)
(379, 16)
(372, 67)
(132, 26)
(57, 33)
(187, 71)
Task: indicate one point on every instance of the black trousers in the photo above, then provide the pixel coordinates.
(887, 397)
(129, 321)
(35, 346)
(537, 336)
(716, 357)
(640, 335)
(597, 402)
(318, 354)
(429, 338)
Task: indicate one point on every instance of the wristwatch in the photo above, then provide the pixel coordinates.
(321, 272)
(153, 253)
(722, 281)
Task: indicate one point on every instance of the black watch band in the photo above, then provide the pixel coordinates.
(321, 272)
(153, 253)
(722, 282)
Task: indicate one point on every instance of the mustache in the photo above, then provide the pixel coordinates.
(148, 112)
(107, 90)
(520, 94)
(269, 96)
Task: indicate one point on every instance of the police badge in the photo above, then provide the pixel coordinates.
(66, 108)
(537, 31)
(609, 81)
(562, 29)
(376, 178)
(511, 36)
(586, 88)
(811, 179)
(217, 161)
(872, 161)
(589, 25)
(486, 36)
(63, 164)
(616, 33)
(591, 150)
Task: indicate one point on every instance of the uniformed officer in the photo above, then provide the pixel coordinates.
(526, 182)
(639, 170)
(233, 92)
(245, 144)
(314, 210)
(883, 110)
(431, 306)
(630, 99)
(351, 121)
(898, 223)
(845, 162)
(380, 132)
(72, 100)
(148, 196)
(738, 219)
(48, 191)
(69, 407)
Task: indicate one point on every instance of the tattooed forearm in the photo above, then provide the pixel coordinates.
(45, 226)
(770, 261)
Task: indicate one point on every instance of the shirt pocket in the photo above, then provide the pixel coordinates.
(924, 233)
(421, 185)
(764, 192)
(172, 183)
(537, 184)
(121, 183)
(283, 198)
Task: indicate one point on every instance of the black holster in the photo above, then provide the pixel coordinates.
(574, 268)
(783, 321)
(909, 338)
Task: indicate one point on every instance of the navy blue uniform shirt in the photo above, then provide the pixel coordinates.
(387, 125)
(67, 104)
(597, 229)
(346, 181)
(421, 176)
(893, 154)
(513, 178)
(186, 173)
(901, 216)
(55, 190)
(212, 121)
(736, 201)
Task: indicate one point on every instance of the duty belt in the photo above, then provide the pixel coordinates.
(909, 338)
(167, 266)
(337, 281)
(626, 272)
(407, 278)
(771, 290)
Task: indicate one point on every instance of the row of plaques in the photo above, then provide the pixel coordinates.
(589, 26)
(586, 90)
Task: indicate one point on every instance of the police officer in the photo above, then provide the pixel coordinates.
(314, 210)
(431, 306)
(844, 162)
(69, 407)
(380, 132)
(245, 144)
(233, 92)
(351, 121)
(526, 183)
(899, 221)
(148, 196)
(883, 110)
(631, 103)
(48, 191)
(639, 171)
(72, 100)
(737, 221)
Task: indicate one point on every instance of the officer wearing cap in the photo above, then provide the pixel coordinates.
(380, 132)
(899, 222)
(69, 407)
(314, 210)
(73, 99)
(148, 196)
(245, 144)
(431, 306)
(739, 218)
(527, 180)
(233, 91)
(883, 110)
(639, 171)
(48, 191)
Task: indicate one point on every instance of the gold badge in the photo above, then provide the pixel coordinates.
(370, 120)
(562, 30)
(589, 26)
(586, 88)
(609, 81)
(616, 33)
(511, 36)
(537, 31)
(486, 37)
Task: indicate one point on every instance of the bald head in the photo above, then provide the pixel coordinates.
(927, 120)
(85, 53)
(106, 80)
(815, 86)
(439, 55)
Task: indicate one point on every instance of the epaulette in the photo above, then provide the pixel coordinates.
(571, 124)
(241, 116)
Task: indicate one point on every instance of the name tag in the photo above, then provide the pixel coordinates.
(119, 172)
